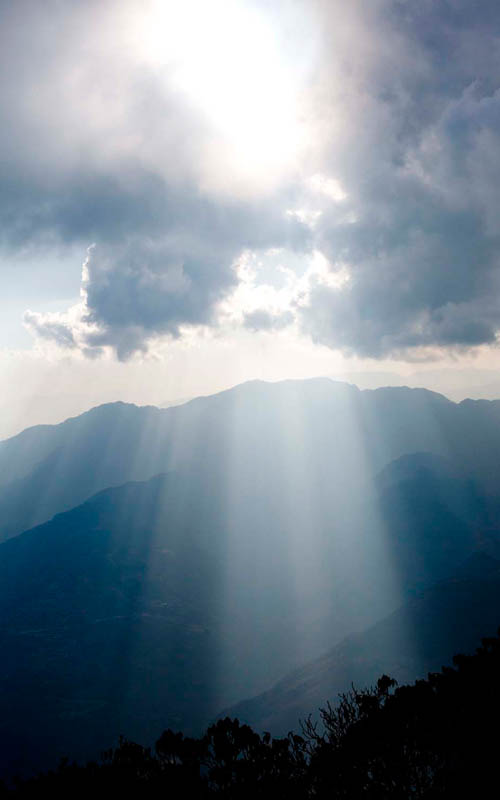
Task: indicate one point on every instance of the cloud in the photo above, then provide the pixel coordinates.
(143, 287)
(418, 152)
(99, 146)
(51, 327)
(397, 189)
(264, 320)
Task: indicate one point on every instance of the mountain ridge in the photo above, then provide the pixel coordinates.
(137, 610)
(361, 657)
(163, 564)
(257, 381)
(49, 468)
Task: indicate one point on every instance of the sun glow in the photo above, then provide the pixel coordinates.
(235, 68)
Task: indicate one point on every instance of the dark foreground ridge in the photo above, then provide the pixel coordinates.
(431, 739)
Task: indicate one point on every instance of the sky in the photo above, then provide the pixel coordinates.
(196, 194)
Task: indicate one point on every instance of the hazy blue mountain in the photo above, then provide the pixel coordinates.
(148, 607)
(327, 439)
(434, 517)
(420, 637)
(286, 516)
(109, 623)
(412, 465)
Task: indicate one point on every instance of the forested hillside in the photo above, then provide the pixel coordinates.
(432, 739)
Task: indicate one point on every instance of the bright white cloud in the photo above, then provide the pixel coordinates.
(230, 61)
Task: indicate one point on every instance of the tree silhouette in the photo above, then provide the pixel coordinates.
(433, 739)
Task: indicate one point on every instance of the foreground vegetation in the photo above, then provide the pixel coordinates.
(436, 738)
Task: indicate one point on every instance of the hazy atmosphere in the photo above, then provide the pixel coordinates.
(196, 195)
(249, 398)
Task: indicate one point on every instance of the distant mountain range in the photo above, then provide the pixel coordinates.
(177, 560)
(449, 617)
(320, 429)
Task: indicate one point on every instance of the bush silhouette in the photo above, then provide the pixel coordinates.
(435, 738)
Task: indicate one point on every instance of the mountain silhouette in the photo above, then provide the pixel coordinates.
(420, 637)
(199, 553)
(315, 431)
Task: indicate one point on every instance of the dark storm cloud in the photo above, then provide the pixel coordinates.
(420, 159)
(146, 287)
